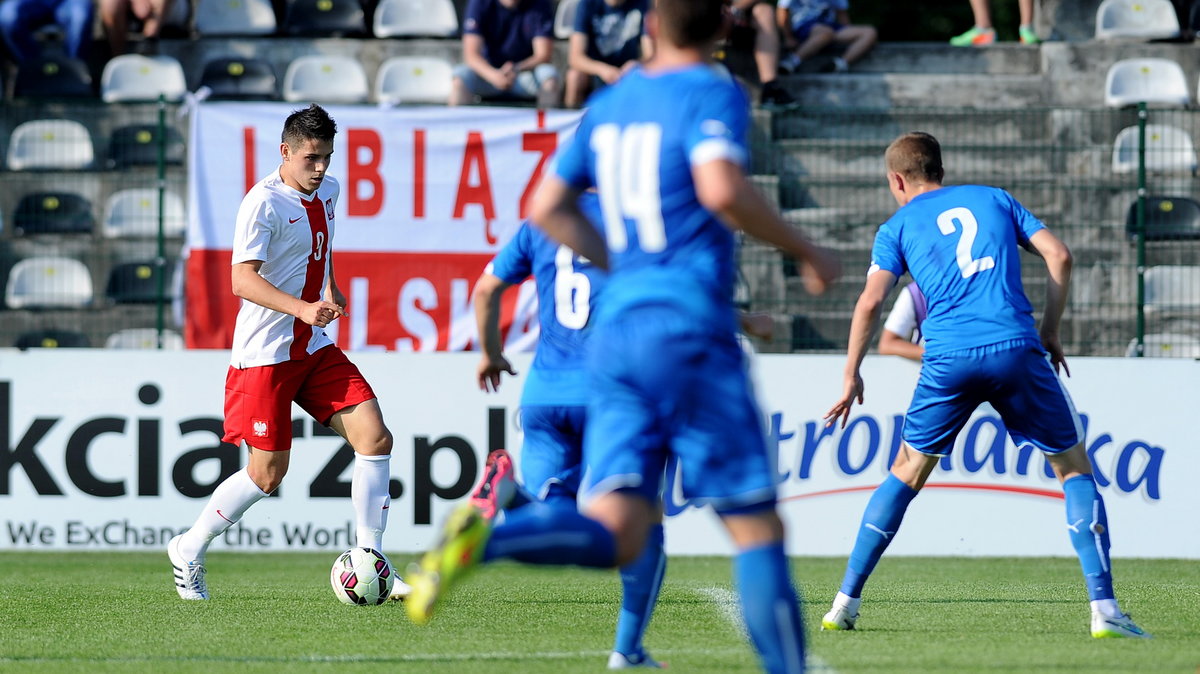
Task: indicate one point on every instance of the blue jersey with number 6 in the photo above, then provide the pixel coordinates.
(637, 144)
(960, 244)
(567, 288)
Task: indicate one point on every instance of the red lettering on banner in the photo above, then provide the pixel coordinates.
(544, 142)
(359, 172)
(418, 173)
(474, 161)
(251, 177)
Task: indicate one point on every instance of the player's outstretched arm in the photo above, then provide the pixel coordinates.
(862, 327)
(723, 189)
(252, 287)
(556, 212)
(489, 290)
(1059, 263)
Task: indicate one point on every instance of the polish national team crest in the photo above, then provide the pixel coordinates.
(259, 427)
(329, 208)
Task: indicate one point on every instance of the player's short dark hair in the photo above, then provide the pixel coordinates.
(916, 156)
(691, 23)
(311, 122)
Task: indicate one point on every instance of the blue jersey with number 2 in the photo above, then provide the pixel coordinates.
(960, 244)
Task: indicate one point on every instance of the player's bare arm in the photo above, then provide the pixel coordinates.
(489, 289)
(892, 344)
(332, 292)
(723, 189)
(1059, 263)
(862, 327)
(250, 286)
(556, 212)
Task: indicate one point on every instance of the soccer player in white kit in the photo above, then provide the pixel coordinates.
(283, 271)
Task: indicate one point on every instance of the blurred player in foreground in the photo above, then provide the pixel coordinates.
(961, 245)
(666, 146)
(283, 271)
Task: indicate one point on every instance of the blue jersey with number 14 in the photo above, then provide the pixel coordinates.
(960, 244)
(637, 144)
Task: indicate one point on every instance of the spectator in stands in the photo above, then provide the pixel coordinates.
(808, 26)
(982, 33)
(608, 40)
(21, 19)
(153, 15)
(757, 18)
(508, 46)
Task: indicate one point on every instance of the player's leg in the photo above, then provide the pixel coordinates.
(363, 428)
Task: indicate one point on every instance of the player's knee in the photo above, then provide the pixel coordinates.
(380, 445)
(267, 480)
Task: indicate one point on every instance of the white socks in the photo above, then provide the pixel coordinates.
(851, 604)
(226, 506)
(369, 493)
(1106, 607)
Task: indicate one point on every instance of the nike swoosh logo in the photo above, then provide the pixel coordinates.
(386, 507)
(293, 221)
(222, 516)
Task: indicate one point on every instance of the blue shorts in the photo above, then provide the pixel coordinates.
(552, 453)
(805, 29)
(1016, 377)
(660, 391)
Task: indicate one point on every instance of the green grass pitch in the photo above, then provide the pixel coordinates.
(118, 612)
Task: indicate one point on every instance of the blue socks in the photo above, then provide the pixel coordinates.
(880, 522)
(1087, 524)
(770, 607)
(640, 582)
(539, 533)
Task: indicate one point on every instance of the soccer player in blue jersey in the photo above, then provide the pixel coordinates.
(666, 147)
(961, 246)
(554, 407)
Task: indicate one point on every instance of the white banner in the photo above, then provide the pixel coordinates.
(114, 450)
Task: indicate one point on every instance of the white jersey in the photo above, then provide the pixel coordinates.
(290, 233)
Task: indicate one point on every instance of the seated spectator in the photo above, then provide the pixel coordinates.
(153, 15)
(756, 18)
(20, 20)
(507, 46)
(982, 33)
(808, 26)
(609, 39)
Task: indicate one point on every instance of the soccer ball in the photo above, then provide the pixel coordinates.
(362, 576)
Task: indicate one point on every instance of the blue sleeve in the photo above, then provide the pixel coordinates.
(573, 163)
(1026, 223)
(473, 17)
(885, 254)
(840, 5)
(544, 26)
(719, 126)
(514, 262)
(583, 17)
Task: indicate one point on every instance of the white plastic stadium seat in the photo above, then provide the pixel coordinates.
(1166, 345)
(1168, 149)
(234, 17)
(416, 18)
(133, 77)
(326, 79)
(44, 282)
(50, 144)
(1149, 80)
(564, 18)
(134, 213)
(414, 79)
(143, 338)
(1136, 19)
(1173, 289)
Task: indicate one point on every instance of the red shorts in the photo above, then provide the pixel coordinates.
(258, 400)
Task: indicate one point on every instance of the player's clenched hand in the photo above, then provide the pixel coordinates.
(488, 373)
(820, 270)
(1054, 348)
(320, 313)
(853, 391)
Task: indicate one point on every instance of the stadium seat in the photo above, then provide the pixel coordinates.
(1136, 19)
(50, 144)
(416, 18)
(137, 145)
(1145, 80)
(1166, 345)
(414, 79)
(1168, 149)
(243, 79)
(48, 282)
(234, 17)
(136, 283)
(144, 338)
(52, 338)
(1167, 219)
(564, 18)
(133, 213)
(325, 79)
(53, 75)
(1172, 289)
(133, 77)
(53, 213)
(324, 18)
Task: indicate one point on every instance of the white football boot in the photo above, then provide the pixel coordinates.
(189, 575)
(1116, 627)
